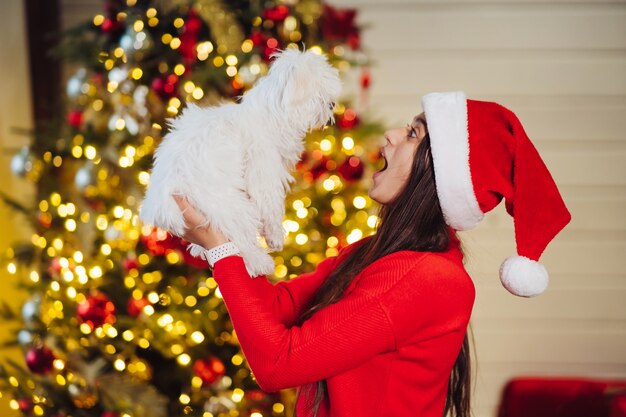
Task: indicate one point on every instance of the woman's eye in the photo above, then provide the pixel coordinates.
(412, 131)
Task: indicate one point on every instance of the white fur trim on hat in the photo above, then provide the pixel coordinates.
(523, 276)
(446, 116)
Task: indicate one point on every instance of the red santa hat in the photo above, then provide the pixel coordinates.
(482, 154)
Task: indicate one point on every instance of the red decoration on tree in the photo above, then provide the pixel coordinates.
(210, 369)
(339, 26)
(130, 263)
(39, 360)
(351, 169)
(189, 38)
(25, 405)
(75, 118)
(110, 414)
(348, 120)
(111, 26)
(320, 168)
(277, 13)
(135, 306)
(258, 38)
(272, 45)
(366, 79)
(165, 86)
(96, 310)
(159, 243)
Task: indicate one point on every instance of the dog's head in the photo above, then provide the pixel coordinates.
(307, 86)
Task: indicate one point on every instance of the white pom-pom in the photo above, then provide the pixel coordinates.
(523, 276)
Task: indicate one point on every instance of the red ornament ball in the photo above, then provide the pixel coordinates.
(277, 14)
(130, 263)
(348, 120)
(210, 369)
(96, 310)
(25, 405)
(75, 118)
(135, 307)
(39, 360)
(351, 169)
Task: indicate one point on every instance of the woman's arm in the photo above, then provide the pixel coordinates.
(338, 337)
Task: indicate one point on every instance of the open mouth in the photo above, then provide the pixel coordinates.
(381, 163)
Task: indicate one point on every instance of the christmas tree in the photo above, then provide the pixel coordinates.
(120, 319)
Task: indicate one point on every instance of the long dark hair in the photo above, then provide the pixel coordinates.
(412, 221)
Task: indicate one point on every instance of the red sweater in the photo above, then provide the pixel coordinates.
(385, 349)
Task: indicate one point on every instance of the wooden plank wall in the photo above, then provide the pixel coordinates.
(561, 66)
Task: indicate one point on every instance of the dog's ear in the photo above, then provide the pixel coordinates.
(298, 86)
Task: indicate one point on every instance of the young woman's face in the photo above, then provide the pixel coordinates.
(398, 151)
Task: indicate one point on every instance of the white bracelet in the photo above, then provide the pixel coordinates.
(221, 251)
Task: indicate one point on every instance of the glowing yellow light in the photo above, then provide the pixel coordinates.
(302, 212)
(77, 151)
(237, 395)
(218, 61)
(70, 208)
(354, 235)
(105, 249)
(148, 310)
(118, 52)
(326, 145)
(138, 26)
(70, 225)
(316, 50)
(347, 143)
(236, 360)
(57, 244)
(301, 238)
(136, 73)
(166, 38)
(247, 46)
(197, 93)
(143, 343)
(90, 152)
(34, 276)
(102, 222)
(291, 226)
(196, 382)
(95, 272)
(190, 301)
(359, 202)
(332, 241)
(165, 319)
(197, 337)
(85, 328)
(256, 414)
(98, 19)
(55, 199)
(178, 23)
(111, 332)
(255, 69)
(60, 379)
(231, 71)
(153, 297)
(128, 335)
(43, 205)
(203, 291)
(153, 21)
(175, 43)
(14, 405)
(231, 60)
(151, 12)
(172, 257)
(179, 69)
(120, 124)
(278, 408)
(290, 23)
(372, 221)
(184, 399)
(328, 184)
(144, 177)
(119, 364)
(11, 268)
(184, 359)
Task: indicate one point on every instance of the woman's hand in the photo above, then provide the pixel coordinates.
(204, 236)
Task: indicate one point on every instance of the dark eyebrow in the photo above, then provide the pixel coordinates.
(419, 119)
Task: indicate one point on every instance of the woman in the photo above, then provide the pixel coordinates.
(380, 329)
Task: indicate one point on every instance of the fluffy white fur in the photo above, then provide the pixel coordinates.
(233, 161)
(446, 115)
(524, 277)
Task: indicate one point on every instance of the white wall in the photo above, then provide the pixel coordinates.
(561, 66)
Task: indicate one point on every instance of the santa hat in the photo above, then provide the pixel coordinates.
(482, 154)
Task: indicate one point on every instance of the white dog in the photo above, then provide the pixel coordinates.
(233, 161)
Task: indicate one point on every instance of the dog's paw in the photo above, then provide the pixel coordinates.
(274, 237)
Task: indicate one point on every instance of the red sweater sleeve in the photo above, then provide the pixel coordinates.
(288, 298)
(337, 338)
